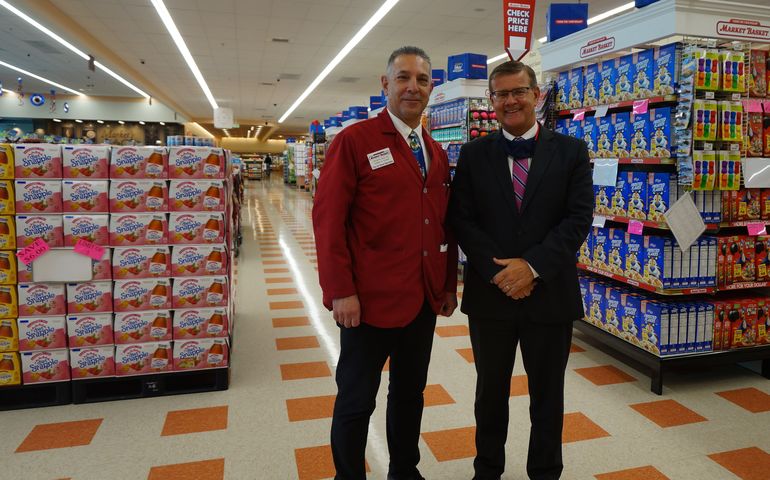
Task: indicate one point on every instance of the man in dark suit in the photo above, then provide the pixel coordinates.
(521, 206)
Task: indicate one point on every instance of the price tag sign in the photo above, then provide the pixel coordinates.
(599, 221)
(709, 95)
(28, 254)
(641, 106)
(89, 249)
(756, 228)
(736, 97)
(605, 172)
(601, 111)
(579, 115)
(636, 227)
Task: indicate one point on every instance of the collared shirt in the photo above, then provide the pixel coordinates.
(405, 130)
(531, 133)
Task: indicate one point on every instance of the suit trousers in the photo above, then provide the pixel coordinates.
(363, 352)
(544, 350)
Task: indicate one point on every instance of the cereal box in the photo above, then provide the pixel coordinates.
(90, 330)
(753, 138)
(140, 327)
(198, 260)
(7, 233)
(624, 88)
(622, 130)
(763, 322)
(85, 196)
(128, 229)
(139, 162)
(9, 303)
(41, 299)
(562, 91)
(616, 258)
(144, 294)
(141, 262)
(195, 228)
(765, 136)
(748, 204)
(89, 297)
(575, 129)
(197, 196)
(200, 354)
(761, 260)
(590, 135)
(600, 247)
(10, 369)
(138, 196)
(602, 198)
(92, 362)
(743, 265)
(660, 136)
(634, 257)
(654, 261)
(576, 87)
(604, 137)
(86, 161)
(38, 161)
(591, 84)
(196, 162)
(7, 197)
(608, 77)
(628, 312)
(45, 366)
(38, 196)
(661, 194)
(597, 292)
(143, 358)
(31, 227)
(9, 335)
(644, 64)
(559, 127)
(758, 77)
(7, 268)
(200, 323)
(744, 332)
(94, 228)
(199, 292)
(42, 333)
(619, 201)
(665, 70)
(637, 207)
(584, 253)
(6, 160)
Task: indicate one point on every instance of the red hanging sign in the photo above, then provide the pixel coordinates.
(518, 22)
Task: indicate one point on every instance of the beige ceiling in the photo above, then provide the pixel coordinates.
(232, 42)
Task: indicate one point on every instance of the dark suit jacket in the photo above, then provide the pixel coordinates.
(554, 220)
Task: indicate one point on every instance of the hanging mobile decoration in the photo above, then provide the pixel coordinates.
(36, 100)
(20, 91)
(53, 101)
(66, 107)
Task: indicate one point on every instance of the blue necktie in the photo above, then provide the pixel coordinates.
(519, 148)
(414, 144)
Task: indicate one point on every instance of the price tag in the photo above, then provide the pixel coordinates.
(28, 254)
(756, 228)
(736, 97)
(89, 249)
(753, 106)
(735, 147)
(579, 115)
(605, 171)
(709, 95)
(708, 146)
(601, 111)
(599, 221)
(766, 106)
(636, 227)
(641, 106)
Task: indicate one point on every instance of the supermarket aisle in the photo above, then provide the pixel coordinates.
(274, 421)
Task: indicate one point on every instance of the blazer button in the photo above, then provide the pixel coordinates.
(427, 221)
(424, 190)
(424, 253)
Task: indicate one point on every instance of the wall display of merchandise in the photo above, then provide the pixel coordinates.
(680, 118)
(289, 166)
(461, 120)
(300, 156)
(154, 313)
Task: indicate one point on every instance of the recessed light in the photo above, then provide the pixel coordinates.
(141, 122)
(79, 121)
(100, 121)
(121, 122)
(162, 123)
(56, 120)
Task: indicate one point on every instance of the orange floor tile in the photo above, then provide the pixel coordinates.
(641, 473)
(605, 375)
(290, 322)
(452, 444)
(274, 262)
(668, 413)
(298, 371)
(467, 354)
(310, 408)
(519, 386)
(296, 343)
(316, 463)
(203, 470)
(282, 291)
(578, 427)
(279, 280)
(751, 399)
(293, 305)
(436, 395)
(60, 435)
(195, 420)
(452, 331)
(747, 463)
(276, 270)
(576, 349)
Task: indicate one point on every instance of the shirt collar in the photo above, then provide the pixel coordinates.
(403, 128)
(531, 133)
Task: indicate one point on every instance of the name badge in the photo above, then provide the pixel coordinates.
(380, 158)
(443, 247)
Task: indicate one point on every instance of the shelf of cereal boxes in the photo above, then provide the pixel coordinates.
(625, 104)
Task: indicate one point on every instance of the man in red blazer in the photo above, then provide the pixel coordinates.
(386, 265)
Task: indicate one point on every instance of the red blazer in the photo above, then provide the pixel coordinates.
(380, 233)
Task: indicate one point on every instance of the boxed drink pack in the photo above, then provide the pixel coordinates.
(634, 268)
(197, 196)
(41, 299)
(616, 259)
(600, 247)
(90, 330)
(141, 262)
(143, 294)
(9, 335)
(139, 162)
(93, 228)
(602, 199)
(92, 362)
(9, 303)
(590, 135)
(660, 137)
(665, 70)
(661, 194)
(38, 160)
(85, 196)
(38, 196)
(613, 313)
(6, 161)
(89, 297)
(7, 233)
(198, 260)
(604, 137)
(42, 333)
(129, 229)
(102, 268)
(7, 197)
(45, 366)
(196, 228)
(8, 268)
(624, 88)
(200, 292)
(562, 91)
(31, 227)
(200, 323)
(622, 130)
(576, 87)
(640, 136)
(10, 369)
(591, 83)
(88, 162)
(138, 196)
(608, 77)
(196, 163)
(637, 206)
(597, 292)
(141, 327)
(143, 358)
(198, 354)
(619, 202)
(644, 65)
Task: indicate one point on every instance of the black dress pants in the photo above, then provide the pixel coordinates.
(545, 350)
(364, 350)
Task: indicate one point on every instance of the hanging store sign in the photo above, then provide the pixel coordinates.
(518, 22)
(743, 29)
(597, 46)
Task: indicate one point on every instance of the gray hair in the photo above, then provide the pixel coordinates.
(407, 50)
(513, 67)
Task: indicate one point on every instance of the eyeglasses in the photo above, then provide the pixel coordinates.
(503, 95)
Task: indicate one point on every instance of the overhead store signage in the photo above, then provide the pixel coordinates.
(518, 20)
(743, 29)
(597, 46)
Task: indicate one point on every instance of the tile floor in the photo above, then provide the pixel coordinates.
(274, 421)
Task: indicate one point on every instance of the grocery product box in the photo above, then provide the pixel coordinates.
(608, 77)
(605, 137)
(38, 196)
(10, 369)
(661, 194)
(45, 366)
(467, 65)
(89, 297)
(90, 330)
(657, 264)
(590, 135)
(660, 137)
(198, 354)
(200, 323)
(41, 299)
(92, 362)
(9, 303)
(637, 188)
(9, 335)
(613, 312)
(86, 161)
(39, 160)
(7, 233)
(763, 322)
(616, 257)
(600, 247)
(93, 228)
(138, 196)
(655, 322)
(6, 162)
(42, 333)
(140, 327)
(597, 292)
(139, 162)
(562, 91)
(620, 195)
(102, 268)
(141, 262)
(199, 292)
(143, 358)
(31, 227)
(584, 253)
(666, 77)
(8, 268)
(196, 228)
(622, 130)
(132, 229)
(198, 260)
(602, 199)
(196, 163)
(562, 126)
(85, 196)
(576, 87)
(640, 136)
(197, 196)
(624, 88)
(758, 73)
(7, 197)
(143, 294)
(644, 63)
(630, 314)
(591, 83)
(575, 129)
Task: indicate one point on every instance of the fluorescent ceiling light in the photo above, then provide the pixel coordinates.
(165, 16)
(374, 20)
(79, 121)
(121, 122)
(56, 120)
(610, 13)
(70, 46)
(162, 123)
(100, 121)
(497, 58)
(141, 122)
(42, 79)
(542, 39)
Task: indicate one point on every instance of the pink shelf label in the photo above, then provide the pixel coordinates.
(31, 252)
(579, 115)
(635, 227)
(89, 249)
(641, 106)
(756, 228)
(753, 105)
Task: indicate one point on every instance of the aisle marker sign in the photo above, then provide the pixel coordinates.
(518, 19)
(30, 253)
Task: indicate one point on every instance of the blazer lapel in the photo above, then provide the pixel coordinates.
(544, 153)
(498, 159)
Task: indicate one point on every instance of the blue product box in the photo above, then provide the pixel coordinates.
(346, 115)
(700, 330)
(637, 206)
(661, 194)
(608, 76)
(584, 283)
(634, 268)
(708, 335)
(660, 135)
(575, 129)
(644, 68)
(604, 137)
(576, 87)
(692, 327)
(467, 65)
(602, 197)
(591, 82)
(643, 3)
(585, 251)
(712, 245)
(631, 306)
(613, 313)
(655, 261)
(654, 321)
(640, 135)
(438, 75)
(598, 303)
(561, 19)
(590, 134)
(358, 112)
(620, 195)
(376, 102)
(624, 88)
(562, 91)
(623, 129)
(665, 70)
(600, 248)
(562, 126)
(616, 259)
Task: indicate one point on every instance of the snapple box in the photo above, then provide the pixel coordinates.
(196, 163)
(198, 260)
(38, 196)
(89, 297)
(42, 333)
(92, 362)
(90, 330)
(141, 262)
(139, 162)
(85, 196)
(197, 196)
(200, 292)
(141, 327)
(93, 228)
(31, 227)
(127, 229)
(196, 228)
(143, 358)
(145, 294)
(38, 161)
(200, 323)
(86, 161)
(41, 299)
(45, 366)
(198, 354)
(138, 196)
(102, 268)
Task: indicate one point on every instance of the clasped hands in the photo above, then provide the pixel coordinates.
(516, 280)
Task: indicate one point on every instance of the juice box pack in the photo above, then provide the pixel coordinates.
(195, 228)
(143, 358)
(141, 262)
(129, 229)
(90, 330)
(198, 354)
(92, 362)
(45, 366)
(199, 292)
(6, 160)
(38, 196)
(42, 299)
(88, 162)
(31, 227)
(38, 161)
(8, 268)
(42, 333)
(7, 197)
(143, 294)
(7, 233)
(138, 196)
(196, 163)
(102, 268)
(197, 196)
(9, 303)
(141, 327)
(89, 297)
(9, 335)
(139, 162)
(85, 196)
(10, 369)
(93, 228)
(200, 323)
(198, 260)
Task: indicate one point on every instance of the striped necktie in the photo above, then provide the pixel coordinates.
(520, 173)
(414, 144)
